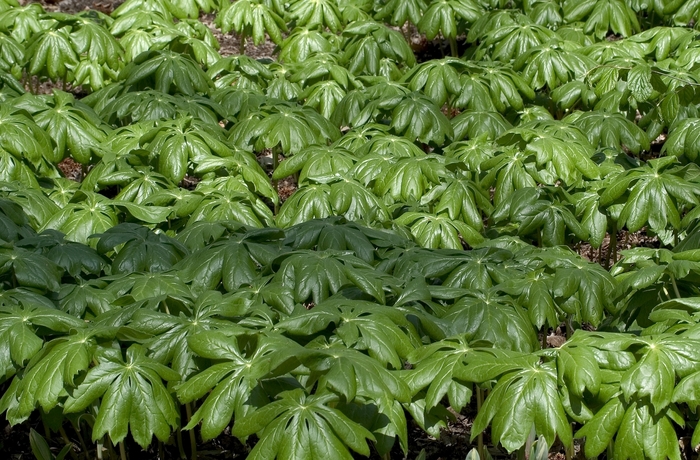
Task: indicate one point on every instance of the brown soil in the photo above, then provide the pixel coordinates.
(71, 169)
(607, 256)
(230, 43)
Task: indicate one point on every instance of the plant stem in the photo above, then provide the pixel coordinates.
(47, 432)
(98, 449)
(608, 252)
(110, 448)
(530, 441)
(179, 444)
(122, 451)
(193, 440)
(275, 182)
(570, 450)
(675, 287)
(68, 442)
(80, 437)
(241, 44)
(453, 47)
(613, 242)
(480, 437)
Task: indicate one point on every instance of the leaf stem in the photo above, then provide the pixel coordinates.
(613, 242)
(122, 450)
(98, 449)
(179, 444)
(110, 448)
(480, 437)
(275, 182)
(80, 437)
(193, 440)
(675, 286)
(530, 441)
(241, 44)
(68, 442)
(453, 47)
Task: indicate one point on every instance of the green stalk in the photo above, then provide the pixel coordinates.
(193, 440)
(453, 47)
(480, 437)
(47, 432)
(80, 437)
(68, 442)
(179, 444)
(122, 451)
(98, 449)
(110, 448)
(241, 45)
(668, 296)
(570, 450)
(675, 287)
(275, 182)
(613, 243)
(608, 253)
(530, 441)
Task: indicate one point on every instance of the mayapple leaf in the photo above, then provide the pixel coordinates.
(578, 369)
(599, 430)
(439, 368)
(230, 384)
(133, 397)
(299, 426)
(643, 435)
(522, 399)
